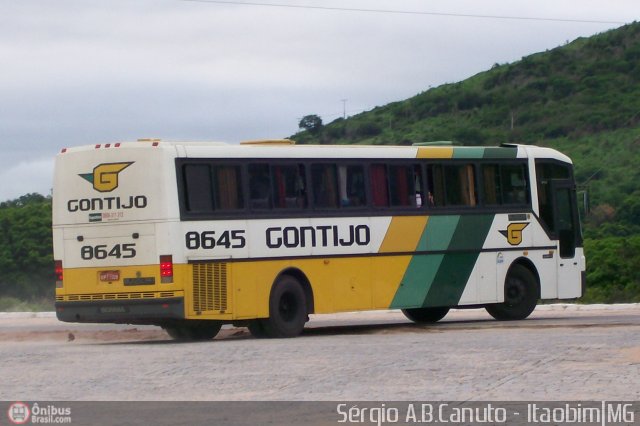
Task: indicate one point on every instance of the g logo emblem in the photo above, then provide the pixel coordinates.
(105, 176)
(514, 232)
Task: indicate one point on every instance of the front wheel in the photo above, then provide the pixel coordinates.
(425, 315)
(521, 294)
(198, 330)
(287, 309)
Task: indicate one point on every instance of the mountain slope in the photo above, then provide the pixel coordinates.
(585, 87)
(582, 98)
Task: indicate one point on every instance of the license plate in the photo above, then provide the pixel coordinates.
(113, 310)
(109, 275)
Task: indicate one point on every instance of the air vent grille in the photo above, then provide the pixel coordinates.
(116, 296)
(210, 287)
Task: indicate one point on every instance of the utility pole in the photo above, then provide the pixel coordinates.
(344, 108)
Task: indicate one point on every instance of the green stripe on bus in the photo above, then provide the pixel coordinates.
(468, 152)
(471, 231)
(438, 233)
(417, 280)
(485, 152)
(496, 152)
(455, 268)
(422, 269)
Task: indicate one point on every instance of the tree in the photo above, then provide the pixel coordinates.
(311, 123)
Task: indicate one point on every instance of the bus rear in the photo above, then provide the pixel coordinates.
(114, 209)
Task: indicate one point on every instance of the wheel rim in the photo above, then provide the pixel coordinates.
(288, 307)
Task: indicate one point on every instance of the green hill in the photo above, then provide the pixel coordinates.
(582, 98)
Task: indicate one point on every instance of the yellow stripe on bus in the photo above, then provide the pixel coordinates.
(403, 234)
(435, 152)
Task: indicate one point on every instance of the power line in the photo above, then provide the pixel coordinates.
(406, 12)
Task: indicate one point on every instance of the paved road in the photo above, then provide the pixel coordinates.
(561, 352)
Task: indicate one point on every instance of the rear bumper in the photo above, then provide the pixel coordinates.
(151, 311)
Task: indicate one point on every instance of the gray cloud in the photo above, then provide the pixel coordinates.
(76, 72)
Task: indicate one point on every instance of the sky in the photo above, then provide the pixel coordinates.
(76, 72)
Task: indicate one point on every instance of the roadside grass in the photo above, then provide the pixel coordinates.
(12, 304)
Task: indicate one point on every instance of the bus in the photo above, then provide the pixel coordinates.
(190, 236)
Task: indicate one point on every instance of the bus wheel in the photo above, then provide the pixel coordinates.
(256, 329)
(520, 295)
(205, 330)
(287, 309)
(425, 315)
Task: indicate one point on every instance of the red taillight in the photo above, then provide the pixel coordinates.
(166, 268)
(59, 273)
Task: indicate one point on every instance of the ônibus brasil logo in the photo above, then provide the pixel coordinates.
(19, 413)
(105, 176)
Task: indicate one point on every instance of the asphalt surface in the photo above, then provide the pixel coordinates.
(561, 352)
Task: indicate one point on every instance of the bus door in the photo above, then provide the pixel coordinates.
(566, 227)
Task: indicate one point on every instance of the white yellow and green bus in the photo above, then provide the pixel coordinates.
(190, 236)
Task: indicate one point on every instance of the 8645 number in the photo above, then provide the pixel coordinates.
(103, 251)
(209, 239)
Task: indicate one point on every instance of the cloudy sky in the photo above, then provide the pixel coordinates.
(76, 72)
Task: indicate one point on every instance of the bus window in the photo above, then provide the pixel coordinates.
(198, 188)
(212, 187)
(565, 223)
(379, 185)
(514, 184)
(396, 185)
(289, 186)
(351, 186)
(452, 185)
(546, 172)
(505, 184)
(435, 189)
(491, 184)
(401, 186)
(259, 186)
(324, 185)
(227, 189)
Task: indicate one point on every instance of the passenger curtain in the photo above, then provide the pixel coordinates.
(379, 185)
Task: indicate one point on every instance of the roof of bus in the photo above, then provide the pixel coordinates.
(272, 149)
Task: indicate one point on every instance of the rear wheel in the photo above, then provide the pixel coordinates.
(521, 294)
(200, 330)
(425, 315)
(287, 309)
(256, 329)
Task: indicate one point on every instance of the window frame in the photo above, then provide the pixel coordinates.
(182, 189)
(369, 209)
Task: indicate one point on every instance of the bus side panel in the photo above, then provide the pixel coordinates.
(338, 285)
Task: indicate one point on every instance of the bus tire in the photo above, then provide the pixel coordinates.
(521, 294)
(287, 309)
(256, 329)
(425, 315)
(205, 330)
